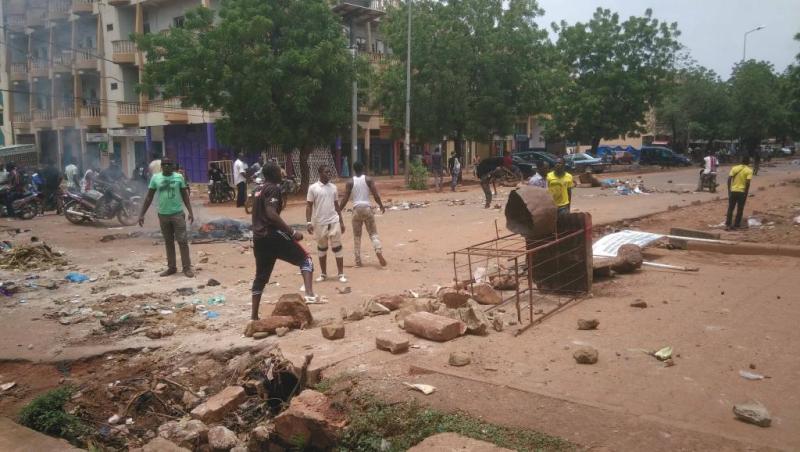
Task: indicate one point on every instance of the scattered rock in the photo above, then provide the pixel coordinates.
(294, 306)
(471, 314)
(333, 332)
(590, 324)
(585, 355)
(393, 344)
(163, 330)
(391, 302)
(434, 327)
(159, 444)
(753, 413)
(114, 420)
(265, 334)
(221, 438)
(459, 359)
(639, 304)
(185, 291)
(452, 298)
(485, 294)
(218, 405)
(629, 259)
(189, 400)
(448, 442)
(212, 282)
(354, 316)
(281, 331)
(503, 282)
(260, 437)
(312, 420)
(497, 324)
(373, 308)
(269, 324)
(188, 433)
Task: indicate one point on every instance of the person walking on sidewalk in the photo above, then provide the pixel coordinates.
(738, 188)
(559, 184)
(173, 195)
(273, 239)
(240, 179)
(360, 187)
(324, 220)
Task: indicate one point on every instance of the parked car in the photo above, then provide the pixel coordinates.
(661, 156)
(534, 157)
(623, 158)
(787, 151)
(581, 161)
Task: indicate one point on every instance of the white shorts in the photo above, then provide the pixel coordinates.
(329, 234)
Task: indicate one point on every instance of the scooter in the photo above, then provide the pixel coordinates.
(708, 181)
(25, 208)
(103, 204)
(219, 191)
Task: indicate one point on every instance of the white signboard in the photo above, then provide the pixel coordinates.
(96, 137)
(608, 245)
(128, 132)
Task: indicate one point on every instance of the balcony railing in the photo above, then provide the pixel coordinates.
(91, 112)
(42, 115)
(65, 112)
(22, 117)
(19, 68)
(35, 17)
(378, 5)
(123, 46)
(127, 108)
(83, 6)
(59, 9)
(40, 68)
(86, 58)
(63, 59)
(16, 21)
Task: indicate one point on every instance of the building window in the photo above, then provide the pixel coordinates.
(109, 27)
(177, 22)
(361, 44)
(113, 86)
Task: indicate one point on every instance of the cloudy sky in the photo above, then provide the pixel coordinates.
(712, 30)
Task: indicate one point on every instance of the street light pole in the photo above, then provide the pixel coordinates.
(354, 118)
(744, 47)
(407, 143)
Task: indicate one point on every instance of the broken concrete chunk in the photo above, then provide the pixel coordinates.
(185, 432)
(221, 438)
(218, 405)
(753, 413)
(393, 344)
(434, 327)
(452, 298)
(585, 355)
(497, 324)
(373, 308)
(639, 304)
(281, 331)
(294, 306)
(269, 324)
(212, 282)
(333, 332)
(163, 330)
(312, 420)
(485, 294)
(590, 324)
(471, 314)
(162, 445)
(503, 282)
(391, 302)
(629, 259)
(263, 334)
(459, 359)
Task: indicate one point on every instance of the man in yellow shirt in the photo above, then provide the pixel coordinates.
(738, 188)
(559, 184)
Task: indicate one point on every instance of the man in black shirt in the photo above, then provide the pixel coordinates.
(273, 239)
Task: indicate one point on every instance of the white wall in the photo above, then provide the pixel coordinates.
(161, 18)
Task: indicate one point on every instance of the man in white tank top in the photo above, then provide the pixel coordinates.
(360, 187)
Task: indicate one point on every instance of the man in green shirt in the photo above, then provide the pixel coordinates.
(173, 194)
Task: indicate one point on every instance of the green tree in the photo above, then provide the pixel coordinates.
(755, 100)
(477, 66)
(279, 72)
(695, 106)
(789, 83)
(617, 70)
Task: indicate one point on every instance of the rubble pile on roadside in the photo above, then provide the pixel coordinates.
(35, 256)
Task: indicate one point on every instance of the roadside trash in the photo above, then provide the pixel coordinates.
(210, 315)
(797, 219)
(185, 291)
(76, 277)
(663, 354)
(5, 245)
(7, 386)
(165, 311)
(8, 288)
(216, 300)
(425, 389)
(344, 291)
(479, 274)
(753, 222)
(750, 375)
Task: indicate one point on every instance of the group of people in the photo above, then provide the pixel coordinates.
(16, 182)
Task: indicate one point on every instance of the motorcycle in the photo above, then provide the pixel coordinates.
(219, 191)
(25, 208)
(708, 181)
(105, 203)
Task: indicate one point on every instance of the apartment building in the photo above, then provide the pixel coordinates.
(70, 73)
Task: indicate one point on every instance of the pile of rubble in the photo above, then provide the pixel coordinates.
(36, 256)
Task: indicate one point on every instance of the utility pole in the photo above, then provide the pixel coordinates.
(354, 125)
(407, 143)
(744, 47)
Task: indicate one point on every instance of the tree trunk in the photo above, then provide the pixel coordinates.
(305, 171)
(595, 145)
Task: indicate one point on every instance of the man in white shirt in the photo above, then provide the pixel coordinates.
(325, 222)
(360, 187)
(710, 164)
(539, 178)
(240, 180)
(155, 165)
(71, 175)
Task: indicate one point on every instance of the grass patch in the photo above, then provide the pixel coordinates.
(405, 424)
(46, 414)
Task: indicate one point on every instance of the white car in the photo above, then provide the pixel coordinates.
(787, 151)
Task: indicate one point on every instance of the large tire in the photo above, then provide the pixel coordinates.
(230, 195)
(127, 214)
(74, 219)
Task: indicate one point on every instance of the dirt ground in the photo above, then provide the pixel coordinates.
(737, 311)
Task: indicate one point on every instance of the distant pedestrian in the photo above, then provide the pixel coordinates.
(240, 179)
(454, 165)
(539, 178)
(275, 240)
(437, 168)
(559, 184)
(361, 187)
(488, 171)
(738, 188)
(173, 195)
(324, 220)
(71, 175)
